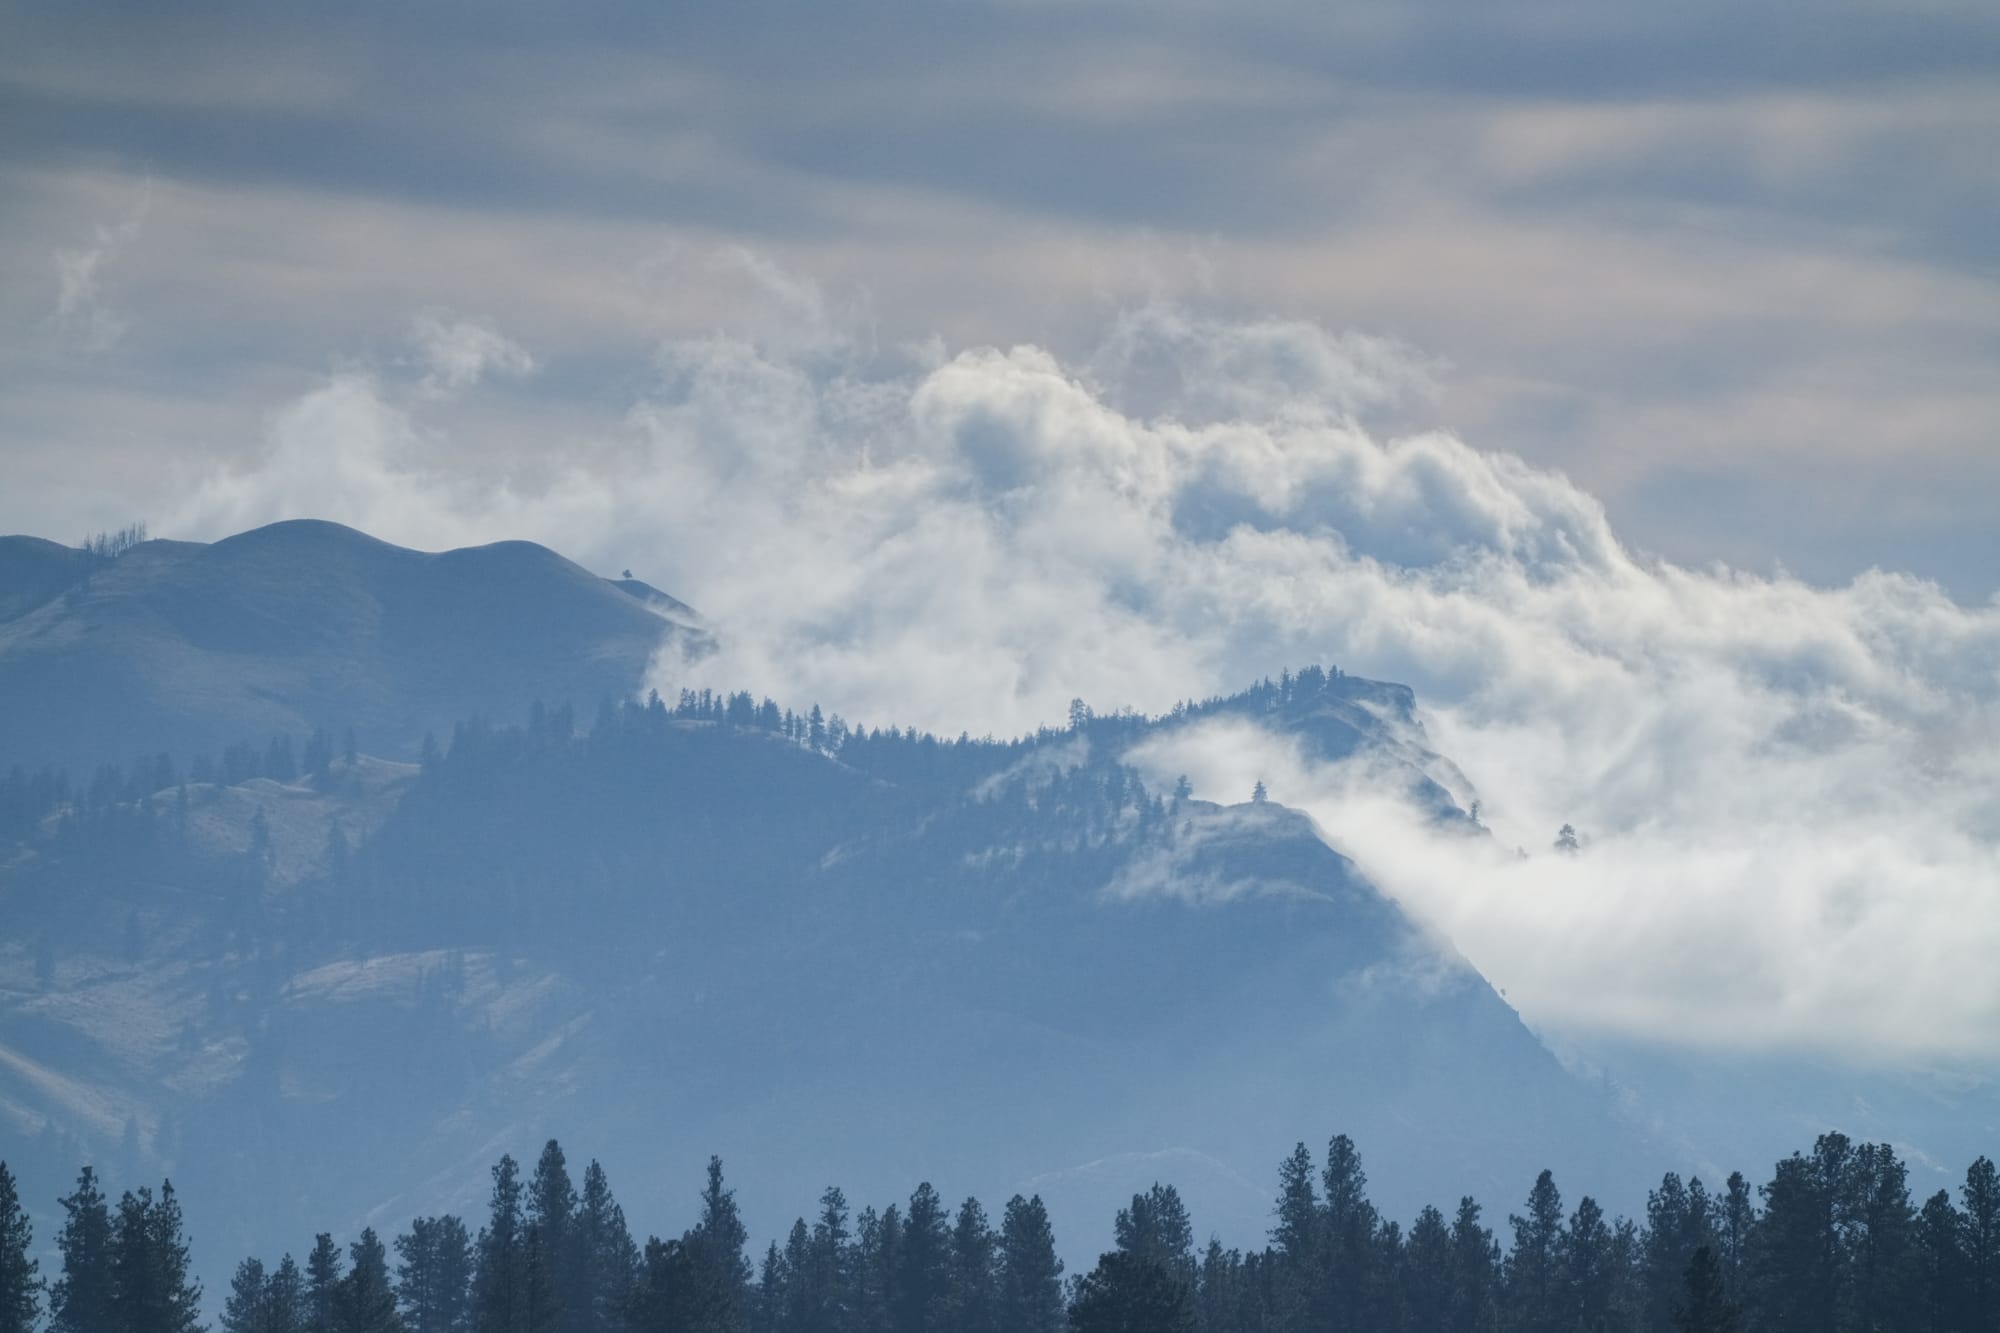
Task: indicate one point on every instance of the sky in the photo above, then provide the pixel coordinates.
(1620, 376)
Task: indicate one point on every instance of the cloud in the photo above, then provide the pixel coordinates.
(1792, 793)
(457, 353)
(81, 313)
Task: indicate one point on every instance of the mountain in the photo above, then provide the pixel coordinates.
(998, 966)
(179, 647)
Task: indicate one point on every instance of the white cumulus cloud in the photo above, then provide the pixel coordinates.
(1791, 793)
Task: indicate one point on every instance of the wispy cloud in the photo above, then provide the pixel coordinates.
(83, 317)
(457, 353)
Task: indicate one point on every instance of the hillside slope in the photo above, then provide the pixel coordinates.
(179, 647)
(997, 966)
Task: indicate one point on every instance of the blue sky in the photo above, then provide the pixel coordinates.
(1731, 267)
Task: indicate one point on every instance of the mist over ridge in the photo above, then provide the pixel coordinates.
(967, 540)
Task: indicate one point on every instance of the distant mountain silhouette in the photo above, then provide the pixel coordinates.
(182, 647)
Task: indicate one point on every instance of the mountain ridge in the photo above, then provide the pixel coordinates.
(178, 646)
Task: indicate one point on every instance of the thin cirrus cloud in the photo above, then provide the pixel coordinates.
(1790, 794)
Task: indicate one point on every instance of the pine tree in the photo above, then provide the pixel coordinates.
(1587, 1268)
(1427, 1273)
(246, 1308)
(1349, 1227)
(1156, 1227)
(1030, 1273)
(1980, 1197)
(285, 1298)
(609, 1256)
(367, 1302)
(1798, 1272)
(20, 1273)
(1132, 1292)
(1943, 1296)
(434, 1276)
(82, 1299)
(323, 1286)
(1297, 1229)
(875, 1273)
(1705, 1306)
(552, 1206)
(923, 1275)
(501, 1294)
(974, 1254)
(1734, 1220)
(1881, 1238)
(719, 1240)
(1475, 1265)
(828, 1285)
(151, 1289)
(767, 1310)
(1532, 1286)
(1678, 1222)
(680, 1291)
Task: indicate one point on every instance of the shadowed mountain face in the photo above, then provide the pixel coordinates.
(1000, 967)
(177, 647)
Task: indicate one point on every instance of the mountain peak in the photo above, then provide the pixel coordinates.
(185, 646)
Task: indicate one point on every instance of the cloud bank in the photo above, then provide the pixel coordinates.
(1791, 794)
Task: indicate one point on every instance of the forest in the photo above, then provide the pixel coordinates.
(1833, 1241)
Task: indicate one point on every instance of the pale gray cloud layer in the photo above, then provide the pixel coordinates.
(1724, 265)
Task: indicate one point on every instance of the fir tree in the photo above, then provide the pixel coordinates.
(20, 1273)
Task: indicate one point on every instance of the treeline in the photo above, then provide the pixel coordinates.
(1833, 1243)
(897, 754)
(27, 798)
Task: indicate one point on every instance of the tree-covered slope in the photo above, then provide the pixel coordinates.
(872, 959)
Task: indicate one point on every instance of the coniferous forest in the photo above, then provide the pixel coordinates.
(1832, 1241)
